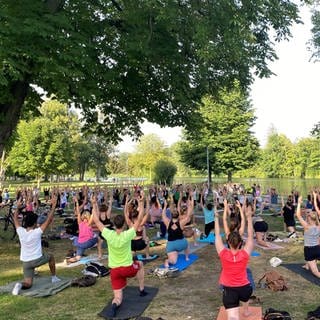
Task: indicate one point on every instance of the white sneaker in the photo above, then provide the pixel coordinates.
(55, 279)
(277, 240)
(17, 288)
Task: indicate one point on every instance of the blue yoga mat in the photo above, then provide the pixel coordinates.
(210, 239)
(182, 263)
(255, 254)
(142, 257)
(250, 278)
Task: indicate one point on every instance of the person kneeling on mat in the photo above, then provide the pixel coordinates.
(87, 238)
(234, 261)
(31, 250)
(120, 256)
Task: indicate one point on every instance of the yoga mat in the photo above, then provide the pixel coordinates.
(42, 287)
(193, 248)
(210, 239)
(82, 261)
(256, 314)
(250, 278)
(306, 274)
(273, 246)
(132, 305)
(255, 254)
(142, 257)
(182, 263)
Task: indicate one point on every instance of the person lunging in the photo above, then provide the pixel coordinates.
(120, 256)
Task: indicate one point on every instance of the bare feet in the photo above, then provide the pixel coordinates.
(247, 313)
(305, 266)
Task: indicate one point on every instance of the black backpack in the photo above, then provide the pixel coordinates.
(272, 314)
(85, 281)
(314, 315)
(96, 269)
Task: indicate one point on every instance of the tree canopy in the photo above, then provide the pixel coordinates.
(44, 145)
(224, 128)
(132, 60)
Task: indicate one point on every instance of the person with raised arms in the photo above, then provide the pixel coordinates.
(234, 260)
(176, 240)
(31, 253)
(120, 256)
(311, 231)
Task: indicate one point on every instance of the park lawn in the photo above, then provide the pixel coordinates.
(193, 295)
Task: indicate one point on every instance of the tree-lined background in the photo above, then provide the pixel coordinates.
(75, 76)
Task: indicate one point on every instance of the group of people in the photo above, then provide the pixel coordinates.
(126, 233)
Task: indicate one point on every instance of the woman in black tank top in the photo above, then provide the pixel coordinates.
(105, 218)
(141, 240)
(176, 240)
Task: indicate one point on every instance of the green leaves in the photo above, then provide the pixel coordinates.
(136, 60)
(225, 128)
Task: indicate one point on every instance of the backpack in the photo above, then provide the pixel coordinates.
(85, 281)
(95, 269)
(274, 281)
(314, 315)
(272, 314)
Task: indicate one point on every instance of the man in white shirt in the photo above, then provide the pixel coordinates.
(31, 253)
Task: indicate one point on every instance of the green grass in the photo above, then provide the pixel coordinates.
(192, 295)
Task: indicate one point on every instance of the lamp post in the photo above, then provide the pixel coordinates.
(208, 168)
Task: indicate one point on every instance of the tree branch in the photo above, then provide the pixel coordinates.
(116, 4)
(55, 5)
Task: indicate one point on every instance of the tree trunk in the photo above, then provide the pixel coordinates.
(229, 176)
(2, 167)
(210, 175)
(10, 111)
(98, 173)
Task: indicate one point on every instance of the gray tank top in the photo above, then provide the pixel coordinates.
(311, 236)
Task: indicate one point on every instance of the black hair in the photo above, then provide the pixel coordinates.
(209, 206)
(30, 219)
(118, 221)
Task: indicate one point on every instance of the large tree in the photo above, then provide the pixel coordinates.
(148, 151)
(224, 129)
(278, 157)
(133, 60)
(44, 145)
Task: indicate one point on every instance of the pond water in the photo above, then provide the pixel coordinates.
(283, 186)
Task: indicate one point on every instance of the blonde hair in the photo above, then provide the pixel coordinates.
(313, 217)
(85, 215)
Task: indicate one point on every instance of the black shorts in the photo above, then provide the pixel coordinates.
(233, 295)
(137, 245)
(208, 227)
(290, 222)
(312, 253)
(260, 226)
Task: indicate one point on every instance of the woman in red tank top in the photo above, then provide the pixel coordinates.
(234, 261)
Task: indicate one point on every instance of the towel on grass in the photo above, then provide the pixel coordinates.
(82, 261)
(42, 287)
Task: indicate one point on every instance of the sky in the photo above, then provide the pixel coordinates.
(289, 101)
